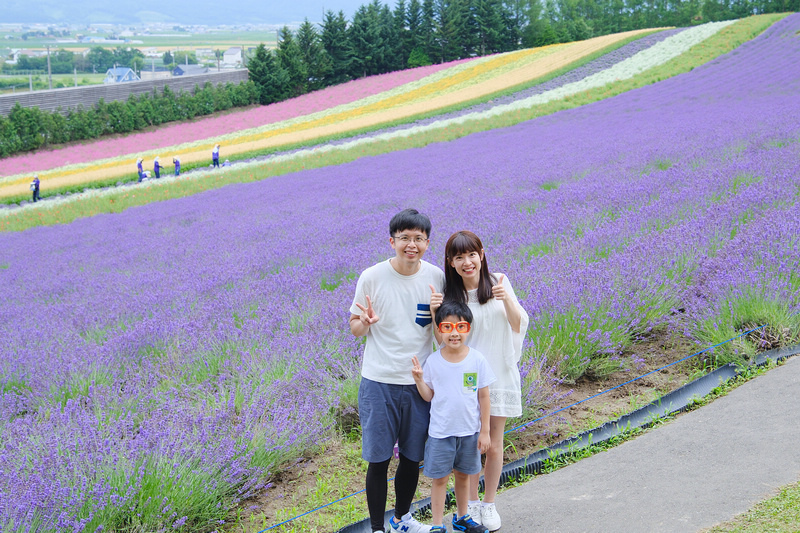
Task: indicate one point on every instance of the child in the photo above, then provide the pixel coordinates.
(455, 379)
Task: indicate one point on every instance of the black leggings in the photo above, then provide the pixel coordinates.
(405, 485)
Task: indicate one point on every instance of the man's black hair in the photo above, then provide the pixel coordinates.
(409, 219)
(453, 308)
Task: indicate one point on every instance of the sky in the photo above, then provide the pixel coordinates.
(204, 12)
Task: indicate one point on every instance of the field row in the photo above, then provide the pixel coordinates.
(457, 84)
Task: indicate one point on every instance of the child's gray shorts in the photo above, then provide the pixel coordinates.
(452, 453)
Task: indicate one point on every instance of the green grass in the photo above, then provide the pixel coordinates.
(744, 312)
(779, 514)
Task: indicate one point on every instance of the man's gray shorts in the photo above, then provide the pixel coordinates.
(452, 453)
(389, 414)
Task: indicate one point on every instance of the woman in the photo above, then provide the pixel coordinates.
(498, 328)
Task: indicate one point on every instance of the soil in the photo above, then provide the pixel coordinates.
(296, 487)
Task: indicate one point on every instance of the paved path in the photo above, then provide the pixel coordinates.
(696, 471)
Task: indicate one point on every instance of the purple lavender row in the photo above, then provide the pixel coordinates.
(199, 342)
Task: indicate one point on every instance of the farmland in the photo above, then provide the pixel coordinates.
(161, 363)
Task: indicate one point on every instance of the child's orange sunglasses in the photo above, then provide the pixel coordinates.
(448, 327)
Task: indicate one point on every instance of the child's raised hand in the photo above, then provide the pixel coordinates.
(416, 369)
(498, 291)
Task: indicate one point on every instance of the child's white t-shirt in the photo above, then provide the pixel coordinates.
(455, 410)
(404, 328)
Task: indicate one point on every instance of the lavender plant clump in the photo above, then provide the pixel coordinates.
(156, 365)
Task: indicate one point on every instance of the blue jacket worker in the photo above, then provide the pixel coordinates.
(35, 187)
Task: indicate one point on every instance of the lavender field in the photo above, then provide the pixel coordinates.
(158, 364)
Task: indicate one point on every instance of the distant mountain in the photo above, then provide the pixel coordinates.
(177, 11)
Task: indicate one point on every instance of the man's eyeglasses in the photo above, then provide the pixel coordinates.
(448, 327)
(405, 239)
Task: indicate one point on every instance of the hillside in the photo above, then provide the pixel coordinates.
(164, 359)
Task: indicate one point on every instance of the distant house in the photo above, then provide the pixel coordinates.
(13, 57)
(189, 70)
(203, 52)
(232, 57)
(120, 75)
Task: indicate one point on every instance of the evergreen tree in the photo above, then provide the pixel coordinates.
(266, 72)
(369, 35)
(427, 32)
(292, 62)
(488, 26)
(313, 55)
(336, 43)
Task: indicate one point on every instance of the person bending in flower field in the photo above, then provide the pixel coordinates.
(499, 326)
(391, 308)
(455, 379)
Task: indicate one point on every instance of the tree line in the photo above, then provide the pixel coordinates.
(30, 128)
(98, 59)
(381, 39)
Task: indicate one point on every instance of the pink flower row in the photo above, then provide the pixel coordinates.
(208, 127)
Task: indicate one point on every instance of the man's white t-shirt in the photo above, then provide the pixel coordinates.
(455, 410)
(404, 328)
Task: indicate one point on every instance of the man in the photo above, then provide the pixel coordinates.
(392, 308)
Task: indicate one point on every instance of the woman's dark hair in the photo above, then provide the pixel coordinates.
(463, 242)
(453, 308)
(408, 219)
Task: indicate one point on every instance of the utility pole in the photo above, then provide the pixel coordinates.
(75, 72)
(49, 72)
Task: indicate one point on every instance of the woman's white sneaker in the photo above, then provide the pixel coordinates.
(489, 516)
(474, 510)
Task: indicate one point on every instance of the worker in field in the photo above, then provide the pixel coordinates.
(177, 162)
(215, 156)
(139, 169)
(157, 167)
(35, 187)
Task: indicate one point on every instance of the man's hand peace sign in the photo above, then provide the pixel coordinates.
(368, 315)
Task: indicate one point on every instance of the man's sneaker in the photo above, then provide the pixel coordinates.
(467, 524)
(474, 510)
(407, 524)
(490, 517)
(438, 529)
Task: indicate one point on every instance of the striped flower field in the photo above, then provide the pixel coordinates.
(401, 100)
(159, 364)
